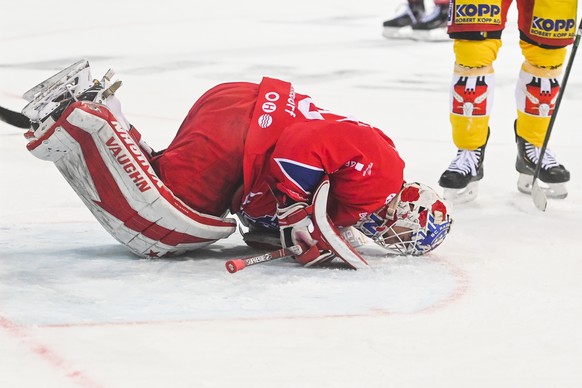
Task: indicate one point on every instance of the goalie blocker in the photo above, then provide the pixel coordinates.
(110, 173)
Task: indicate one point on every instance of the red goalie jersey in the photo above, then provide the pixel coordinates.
(241, 142)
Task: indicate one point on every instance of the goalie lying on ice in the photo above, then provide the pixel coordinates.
(259, 151)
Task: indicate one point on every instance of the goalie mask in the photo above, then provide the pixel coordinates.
(415, 222)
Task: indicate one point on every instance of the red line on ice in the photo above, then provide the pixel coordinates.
(45, 353)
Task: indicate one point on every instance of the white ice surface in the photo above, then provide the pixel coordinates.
(499, 304)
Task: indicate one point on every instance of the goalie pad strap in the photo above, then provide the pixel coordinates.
(113, 177)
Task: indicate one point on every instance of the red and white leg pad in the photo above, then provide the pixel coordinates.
(113, 177)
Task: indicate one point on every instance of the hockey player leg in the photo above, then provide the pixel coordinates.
(471, 100)
(112, 176)
(536, 94)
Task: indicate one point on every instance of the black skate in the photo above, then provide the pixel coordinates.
(460, 180)
(552, 174)
(436, 19)
(432, 26)
(405, 17)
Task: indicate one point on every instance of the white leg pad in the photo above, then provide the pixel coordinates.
(112, 176)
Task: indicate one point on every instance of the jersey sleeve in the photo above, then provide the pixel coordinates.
(361, 161)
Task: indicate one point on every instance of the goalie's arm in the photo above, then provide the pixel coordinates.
(361, 162)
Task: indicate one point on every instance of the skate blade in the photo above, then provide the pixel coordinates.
(459, 196)
(50, 82)
(397, 32)
(551, 190)
(434, 35)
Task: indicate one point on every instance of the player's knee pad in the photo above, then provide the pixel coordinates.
(471, 96)
(108, 170)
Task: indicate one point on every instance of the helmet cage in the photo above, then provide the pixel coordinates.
(375, 225)
(407, 227)
(415, 240)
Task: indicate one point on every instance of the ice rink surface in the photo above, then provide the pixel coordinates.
(499, 304)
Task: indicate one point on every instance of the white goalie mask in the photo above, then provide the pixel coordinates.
(415, 222)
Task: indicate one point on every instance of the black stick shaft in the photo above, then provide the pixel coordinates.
(558, 101)
(13, 118)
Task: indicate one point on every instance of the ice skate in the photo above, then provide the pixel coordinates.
(399, 27)
(74, 83)
(49, 99)
(432, 26)
(552, 174)
(60, 78)
(52, 96)
(460, 180)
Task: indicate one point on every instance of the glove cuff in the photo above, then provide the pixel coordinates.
(293, 214)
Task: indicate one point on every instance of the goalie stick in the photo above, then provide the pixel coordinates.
(539, 197)
(13, 118)
(236, 265)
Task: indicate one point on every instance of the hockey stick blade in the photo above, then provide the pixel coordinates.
(539, 196)
(13, 118)
(236, 265)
